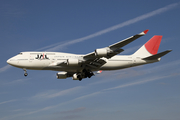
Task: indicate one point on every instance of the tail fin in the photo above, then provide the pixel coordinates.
(149, 48)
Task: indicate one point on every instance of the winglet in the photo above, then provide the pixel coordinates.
(144, 32)
(153, 44)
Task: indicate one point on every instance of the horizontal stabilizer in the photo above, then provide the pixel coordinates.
(156, 56)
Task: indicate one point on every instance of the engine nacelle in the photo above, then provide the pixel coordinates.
(73, 62)
(61, 75)
(75, 77)
(101, 52)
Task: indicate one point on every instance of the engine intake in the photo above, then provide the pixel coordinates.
(75, 77)
(73, 62)
(101, 52)
(107, 52)
(61, 75)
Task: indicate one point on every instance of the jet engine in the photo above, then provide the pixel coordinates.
(101, 52)
(73, 62)
(61, 75)
(77, 76)
(107, 52)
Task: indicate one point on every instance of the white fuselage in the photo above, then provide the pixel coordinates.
(49, 61)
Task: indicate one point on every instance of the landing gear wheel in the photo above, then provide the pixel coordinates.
(25, 74)
(88, 73)
(79, 77)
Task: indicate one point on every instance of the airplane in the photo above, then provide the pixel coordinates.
(80, 66)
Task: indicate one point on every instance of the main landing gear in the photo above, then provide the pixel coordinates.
(25, 72)
(88, 73)
(85, 74)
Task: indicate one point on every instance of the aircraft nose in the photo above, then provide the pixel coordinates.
(11, 61)
(8, 61)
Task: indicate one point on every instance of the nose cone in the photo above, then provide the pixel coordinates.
(8, 61)
(12, 62)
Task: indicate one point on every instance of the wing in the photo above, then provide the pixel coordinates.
(59, 63)
(127, 41)
(113, 49)
(94, 59)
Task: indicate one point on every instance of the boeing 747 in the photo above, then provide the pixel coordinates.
(83, 66)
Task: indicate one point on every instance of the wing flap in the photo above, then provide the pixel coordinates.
(97, 63)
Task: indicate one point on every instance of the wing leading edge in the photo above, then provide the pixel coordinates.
(127, 41)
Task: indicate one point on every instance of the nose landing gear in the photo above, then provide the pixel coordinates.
(25, 72)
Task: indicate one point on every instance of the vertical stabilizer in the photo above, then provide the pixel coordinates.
(153, 44)
(149, 48)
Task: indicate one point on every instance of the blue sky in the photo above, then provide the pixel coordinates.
(149, 92)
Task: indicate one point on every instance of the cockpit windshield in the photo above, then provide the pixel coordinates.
(20, 53)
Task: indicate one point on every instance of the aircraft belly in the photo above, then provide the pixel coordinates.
(63, 68)
(34, 65)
